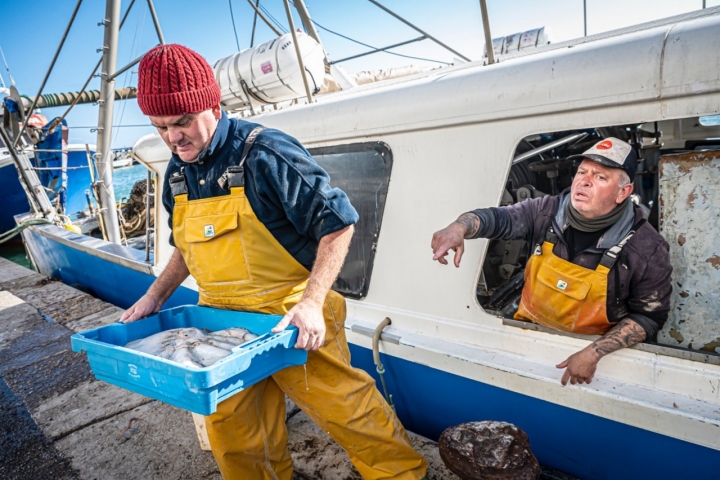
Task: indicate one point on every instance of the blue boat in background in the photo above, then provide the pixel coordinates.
(14, 198)
(64, 170)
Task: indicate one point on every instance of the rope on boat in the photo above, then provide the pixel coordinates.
(133, 216)
(376, 358)
(4, 237)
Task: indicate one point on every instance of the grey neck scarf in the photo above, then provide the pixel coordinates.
(584, 224)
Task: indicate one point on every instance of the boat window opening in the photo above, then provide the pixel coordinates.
(677, 183)
(362, 171)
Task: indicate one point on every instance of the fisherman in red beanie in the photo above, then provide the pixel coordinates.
(257, 224)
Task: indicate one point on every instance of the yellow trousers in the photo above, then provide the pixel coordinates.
(248, 434)
(239, 265)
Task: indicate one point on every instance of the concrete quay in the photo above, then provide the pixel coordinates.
(57, 421)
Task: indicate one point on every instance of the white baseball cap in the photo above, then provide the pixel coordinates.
(613, 153)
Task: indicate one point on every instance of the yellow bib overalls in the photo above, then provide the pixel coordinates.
(239, 265)
(563, 296)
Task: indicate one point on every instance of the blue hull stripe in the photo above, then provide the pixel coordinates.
(590, 447)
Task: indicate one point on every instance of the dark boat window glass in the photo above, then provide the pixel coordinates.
(362, 170)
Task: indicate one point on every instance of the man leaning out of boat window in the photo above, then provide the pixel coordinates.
(596, 266)
(255, 221)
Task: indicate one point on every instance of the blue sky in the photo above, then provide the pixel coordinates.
(29, 39)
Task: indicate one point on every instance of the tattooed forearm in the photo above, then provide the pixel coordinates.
(625, 334)
(471, 222)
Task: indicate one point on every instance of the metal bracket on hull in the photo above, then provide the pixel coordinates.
(368, 332)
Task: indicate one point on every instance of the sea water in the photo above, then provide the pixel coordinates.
(125, 178)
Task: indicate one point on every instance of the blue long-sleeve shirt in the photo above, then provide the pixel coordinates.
(289, 193)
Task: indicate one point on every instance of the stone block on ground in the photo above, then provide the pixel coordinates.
(25, 453)
(151, 442)
(87, 403)
(46, 292)
(96, 320)
(7, 300)
(16, 318)
(48, 377)
(70, 309)
(43, 340)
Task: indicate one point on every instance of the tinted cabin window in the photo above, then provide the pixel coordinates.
(362, 170)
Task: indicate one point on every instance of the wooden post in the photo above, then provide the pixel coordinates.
(201, 430)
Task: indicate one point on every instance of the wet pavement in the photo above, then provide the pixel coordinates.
(25, 452)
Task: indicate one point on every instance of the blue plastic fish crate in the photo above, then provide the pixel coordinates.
(196, 389)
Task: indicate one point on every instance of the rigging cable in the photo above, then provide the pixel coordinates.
(277, 22)
(12, 80)
(137, 38)
(58, 121)
(374, 48)
(92, 75)
(252, 35)
(47, 75)
(265, 19)
(232, 17)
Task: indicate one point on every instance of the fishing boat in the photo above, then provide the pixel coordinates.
(414, 152)
(63, 170)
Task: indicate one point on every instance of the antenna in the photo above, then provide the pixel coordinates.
(12, 80)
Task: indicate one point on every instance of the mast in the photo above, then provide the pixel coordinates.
(105, 117)
(486, 29)
(297, 51)
(308, 24)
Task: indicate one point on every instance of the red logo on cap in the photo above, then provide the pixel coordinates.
(604, 145)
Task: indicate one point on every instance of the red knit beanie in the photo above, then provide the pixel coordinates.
(174, 80)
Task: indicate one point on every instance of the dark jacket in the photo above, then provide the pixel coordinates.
(639, 285)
